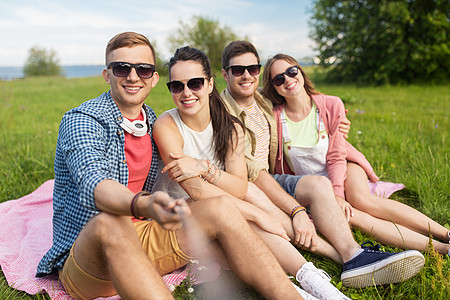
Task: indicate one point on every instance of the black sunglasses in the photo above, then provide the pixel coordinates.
(291, 72)
(239, 70)
(123, 69)
(194, 84)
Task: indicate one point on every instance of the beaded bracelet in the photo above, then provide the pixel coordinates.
(211, 173)
(296, 210)
(133, 204)
(217, 179)
(292, 211)
(209, 170)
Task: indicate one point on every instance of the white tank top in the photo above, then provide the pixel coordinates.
(195, 144)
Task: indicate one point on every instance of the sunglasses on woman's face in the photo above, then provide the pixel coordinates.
(194, 84)
(123, 69)
(240, 70)
(279, 79)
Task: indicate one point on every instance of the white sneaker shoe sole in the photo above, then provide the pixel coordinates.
(316, 282)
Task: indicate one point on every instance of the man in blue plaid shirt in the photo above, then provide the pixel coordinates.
(110, 236)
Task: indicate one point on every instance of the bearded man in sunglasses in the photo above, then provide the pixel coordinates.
(110, 235)
(289, 197)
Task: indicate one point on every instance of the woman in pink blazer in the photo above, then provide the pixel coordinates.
(310, 143)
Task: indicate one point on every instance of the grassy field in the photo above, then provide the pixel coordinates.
(403, 131)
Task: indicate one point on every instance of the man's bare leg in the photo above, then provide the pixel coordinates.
(259, 199)
(108, 248)
(248, 256)
(316, 193)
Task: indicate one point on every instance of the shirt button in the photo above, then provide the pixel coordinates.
(119, 132)
(124, 161)
(119, 118)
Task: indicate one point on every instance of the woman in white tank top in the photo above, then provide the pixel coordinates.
(286, 84)
(202, 147)
(199, 140)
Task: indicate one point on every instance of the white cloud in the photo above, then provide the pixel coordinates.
(79, 30)
(269, 42)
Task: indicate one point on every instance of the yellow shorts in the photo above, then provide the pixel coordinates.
(160, 245)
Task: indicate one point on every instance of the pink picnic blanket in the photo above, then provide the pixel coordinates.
(26, 235)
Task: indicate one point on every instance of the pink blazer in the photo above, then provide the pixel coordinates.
(331, 110)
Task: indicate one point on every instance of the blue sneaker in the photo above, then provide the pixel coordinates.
(374, 267)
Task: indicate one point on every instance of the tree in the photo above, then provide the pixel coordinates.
(383, 41)
(206, 35)
(160, 64)
(41, 62)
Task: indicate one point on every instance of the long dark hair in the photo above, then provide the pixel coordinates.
(222, 122)
(269, 90)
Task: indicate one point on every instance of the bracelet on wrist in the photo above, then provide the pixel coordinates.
(292, 211)
(211, 173)
(133, 204)
(217, 179)
(208, 169)
(296, 210)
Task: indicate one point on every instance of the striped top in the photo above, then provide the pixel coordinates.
(257, 123)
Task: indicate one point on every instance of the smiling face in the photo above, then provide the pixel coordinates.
(129, 92)
(292, 85)
(190, 102)
(243, 87)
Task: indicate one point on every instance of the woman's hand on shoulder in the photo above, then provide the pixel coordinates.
(344, 125)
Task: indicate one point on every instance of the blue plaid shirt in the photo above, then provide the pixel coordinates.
(90, 148)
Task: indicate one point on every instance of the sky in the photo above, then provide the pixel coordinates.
(78, 30)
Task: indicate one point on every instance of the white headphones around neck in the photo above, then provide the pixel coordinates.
(137, 127)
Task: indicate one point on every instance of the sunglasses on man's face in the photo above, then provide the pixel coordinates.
(194, 84)
(279, 79)
(123, 69)
(240, 70)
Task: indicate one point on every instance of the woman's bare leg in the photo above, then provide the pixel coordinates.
(388, 233)
(358, 195)
(290, 259)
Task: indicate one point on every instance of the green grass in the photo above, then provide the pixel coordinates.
(402, 130)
